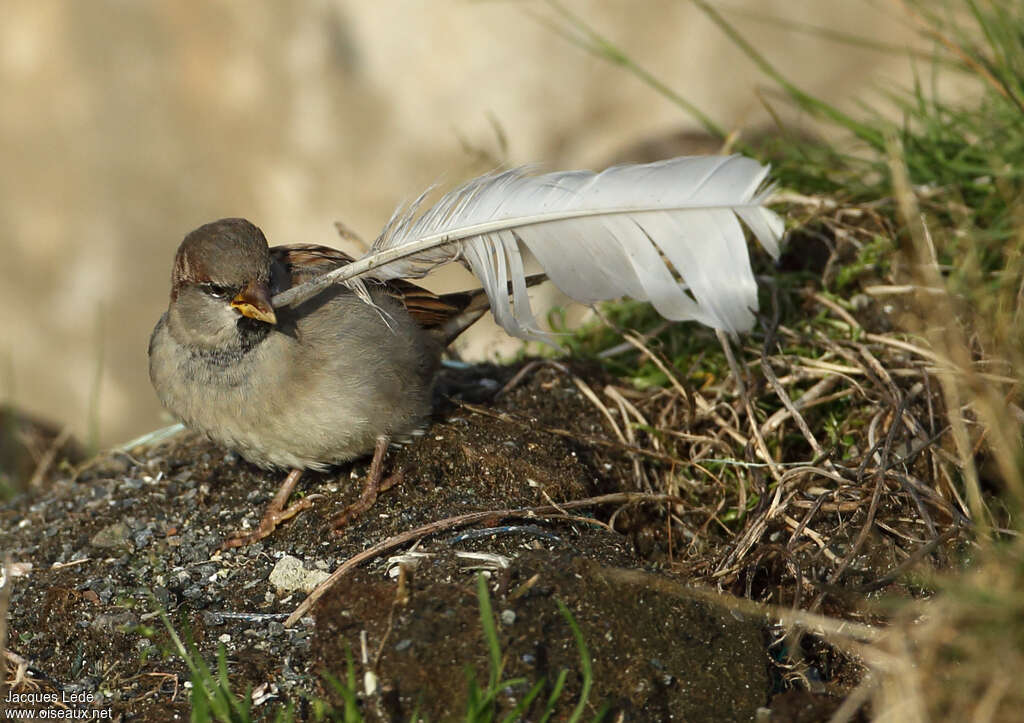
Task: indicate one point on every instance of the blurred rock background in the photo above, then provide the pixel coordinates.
(125, 124)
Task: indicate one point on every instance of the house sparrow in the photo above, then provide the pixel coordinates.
(303, 387)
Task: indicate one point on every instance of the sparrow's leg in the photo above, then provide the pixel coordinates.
(20, 669)
(374, 485)
(276, 512)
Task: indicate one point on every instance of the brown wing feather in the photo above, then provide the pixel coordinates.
(304, 261)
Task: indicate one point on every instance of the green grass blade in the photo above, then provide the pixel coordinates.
(490, 632)
(806, 101)
(588, 39)
(556, 693)
(524, 704)
(585, 668)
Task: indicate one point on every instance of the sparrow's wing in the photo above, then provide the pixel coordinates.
(668, 232)
(303, 262)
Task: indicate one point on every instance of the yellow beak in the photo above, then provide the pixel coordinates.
(254, 301)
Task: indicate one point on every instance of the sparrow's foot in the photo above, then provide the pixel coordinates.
(19, 677)
(276, 512)
(374, 486)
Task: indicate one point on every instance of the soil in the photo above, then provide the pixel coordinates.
(621, 597)
(136, 534)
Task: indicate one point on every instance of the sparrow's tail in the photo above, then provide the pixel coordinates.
(474, 304)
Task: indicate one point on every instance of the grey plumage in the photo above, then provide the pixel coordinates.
(315, 389)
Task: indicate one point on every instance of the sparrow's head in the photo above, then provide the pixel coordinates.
(221, 276)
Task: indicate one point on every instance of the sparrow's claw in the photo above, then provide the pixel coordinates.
(374, 485)
(276, 513)
(365, 501)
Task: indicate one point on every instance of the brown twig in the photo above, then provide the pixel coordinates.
(773, 380)
(47, 459)
(759, 443)
(820, 624)
(469, 518)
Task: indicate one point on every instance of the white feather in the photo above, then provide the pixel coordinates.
(596, 235)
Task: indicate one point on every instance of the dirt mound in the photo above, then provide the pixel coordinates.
(140, 532)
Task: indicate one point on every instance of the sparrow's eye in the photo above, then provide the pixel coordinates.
(217, 291)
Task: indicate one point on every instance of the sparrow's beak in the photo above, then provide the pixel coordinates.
(254, 301)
